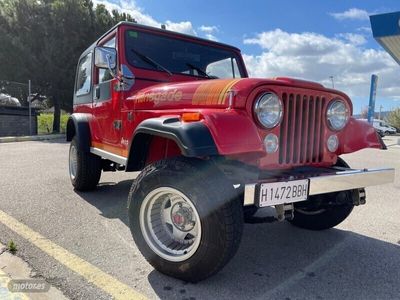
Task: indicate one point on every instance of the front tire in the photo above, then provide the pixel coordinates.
(84, 168)
(326, 210)
(315, 217)
(185, 218)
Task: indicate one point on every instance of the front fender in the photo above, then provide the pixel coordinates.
(358, 135)
(233, 131)
(193, 138)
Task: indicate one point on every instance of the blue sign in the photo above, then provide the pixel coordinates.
(372, 96)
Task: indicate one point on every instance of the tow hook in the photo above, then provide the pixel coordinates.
(284, 212)
(270, 214)
(359, 197)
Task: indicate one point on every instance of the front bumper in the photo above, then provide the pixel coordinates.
(339, 179)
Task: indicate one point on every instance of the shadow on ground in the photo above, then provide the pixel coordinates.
(111, 199)
(278, 261)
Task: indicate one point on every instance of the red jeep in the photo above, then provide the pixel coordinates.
(212, 145)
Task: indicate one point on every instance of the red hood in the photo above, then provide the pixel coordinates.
(214, 93)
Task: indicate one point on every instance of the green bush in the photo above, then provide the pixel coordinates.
(394, 118)
(45, 123)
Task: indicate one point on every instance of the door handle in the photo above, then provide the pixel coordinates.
(97, 92)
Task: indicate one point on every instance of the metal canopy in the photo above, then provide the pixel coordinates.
(386, 31)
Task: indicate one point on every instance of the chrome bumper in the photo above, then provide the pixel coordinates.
(335, 182)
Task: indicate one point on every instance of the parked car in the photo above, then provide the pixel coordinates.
(380, 132)
(382, 127)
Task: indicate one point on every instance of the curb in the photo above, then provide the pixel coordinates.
(11, 139)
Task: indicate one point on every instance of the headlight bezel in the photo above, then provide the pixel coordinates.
(329, 115)
(257, 110)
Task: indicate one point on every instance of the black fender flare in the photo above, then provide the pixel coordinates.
(193, 138)
(78, 125)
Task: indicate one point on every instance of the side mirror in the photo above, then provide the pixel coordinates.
(105, 58)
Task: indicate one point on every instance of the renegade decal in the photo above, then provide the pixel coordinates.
(169, 95)
(213, 92)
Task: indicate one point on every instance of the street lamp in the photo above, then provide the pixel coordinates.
(333, 83)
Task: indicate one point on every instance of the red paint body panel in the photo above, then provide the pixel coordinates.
(357, 135)
(237, 135)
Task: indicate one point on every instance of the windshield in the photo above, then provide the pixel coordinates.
(155, 52)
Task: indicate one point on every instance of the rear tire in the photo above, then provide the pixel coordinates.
(185, 218)
(84, 168)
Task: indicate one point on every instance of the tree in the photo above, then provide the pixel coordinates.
(364, 112)
(394, 118)
(42, 40)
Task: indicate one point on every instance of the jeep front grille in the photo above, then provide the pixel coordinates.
(301, 133)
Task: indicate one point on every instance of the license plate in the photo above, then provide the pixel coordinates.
(275, 193)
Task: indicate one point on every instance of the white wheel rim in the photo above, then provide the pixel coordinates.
(170, 224)
(73, 162)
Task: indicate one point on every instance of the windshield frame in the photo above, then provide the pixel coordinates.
(235, 53)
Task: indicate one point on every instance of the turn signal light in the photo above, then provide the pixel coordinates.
(191, 117)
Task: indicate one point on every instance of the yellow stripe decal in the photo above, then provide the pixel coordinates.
(225, 90)
(213, 92)
(92, 274)
(111, 149)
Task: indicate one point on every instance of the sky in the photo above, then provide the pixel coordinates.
(316, 40)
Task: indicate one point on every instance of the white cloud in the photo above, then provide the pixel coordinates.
(365, 29)
(183, 27)
(209, 32)
(131, 8)
(351, 14)
(141, 17)
(210, 36)
(353, 38)
(208, 29)
(316, 57)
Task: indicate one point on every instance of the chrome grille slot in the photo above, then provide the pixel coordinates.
(301, 133)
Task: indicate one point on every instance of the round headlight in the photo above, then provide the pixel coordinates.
(268, 110)
(337, 114)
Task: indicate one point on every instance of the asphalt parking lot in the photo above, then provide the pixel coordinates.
(360, 259)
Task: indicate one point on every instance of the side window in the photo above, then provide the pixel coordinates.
(84, 76)
(226, 68)
(104, 74)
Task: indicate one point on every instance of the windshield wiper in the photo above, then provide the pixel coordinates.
(151, 61)
(200, 71)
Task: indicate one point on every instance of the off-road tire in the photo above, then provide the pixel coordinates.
(329, 216)
(217, 204)
(88, 171)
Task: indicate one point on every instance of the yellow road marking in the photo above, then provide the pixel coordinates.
(5, 293)
(92, 274)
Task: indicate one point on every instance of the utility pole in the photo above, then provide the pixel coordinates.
(380, 111)
(372, 96)
(29, 103)
(333, 83)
